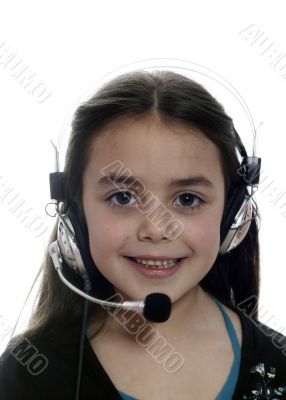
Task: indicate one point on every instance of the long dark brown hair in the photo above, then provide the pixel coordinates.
(173, 99)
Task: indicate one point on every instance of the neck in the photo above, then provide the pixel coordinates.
(190, 314)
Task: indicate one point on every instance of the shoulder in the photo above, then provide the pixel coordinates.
(15, 380)
(257, 339)
(262, 367)
(263, 358)
(30, 367)
(261, 340)
(44, 369)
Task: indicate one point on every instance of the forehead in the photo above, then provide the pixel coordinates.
(154, 151)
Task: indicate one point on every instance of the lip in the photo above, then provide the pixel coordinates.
(155, 273)
(155, 258)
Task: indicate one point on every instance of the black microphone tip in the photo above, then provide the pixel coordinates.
(157, 307)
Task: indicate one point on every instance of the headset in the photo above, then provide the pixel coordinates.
(72, 244)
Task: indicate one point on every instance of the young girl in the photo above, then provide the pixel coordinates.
(178, 147)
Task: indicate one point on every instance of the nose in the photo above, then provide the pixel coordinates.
(153, 229)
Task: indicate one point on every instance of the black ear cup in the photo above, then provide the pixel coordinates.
(232, 206)
(236, 218)
(77, 238)
(238, 211)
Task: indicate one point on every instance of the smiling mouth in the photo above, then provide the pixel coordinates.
(155, 264)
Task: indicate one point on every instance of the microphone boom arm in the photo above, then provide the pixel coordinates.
(54, 252)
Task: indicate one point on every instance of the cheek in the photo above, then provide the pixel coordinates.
(109, 233)
(103, 230)
(106, 235)
(203, 233)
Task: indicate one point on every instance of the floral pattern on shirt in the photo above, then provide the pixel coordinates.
(264, 390)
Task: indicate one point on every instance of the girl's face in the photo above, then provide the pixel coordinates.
(155, 156)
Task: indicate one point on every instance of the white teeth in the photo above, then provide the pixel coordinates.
(158, 264)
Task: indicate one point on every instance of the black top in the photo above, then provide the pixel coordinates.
(45, 370)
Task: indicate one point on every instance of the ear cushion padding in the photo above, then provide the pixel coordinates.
(102, 287)
(233, 204)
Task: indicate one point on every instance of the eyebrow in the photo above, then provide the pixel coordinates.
(110, 180)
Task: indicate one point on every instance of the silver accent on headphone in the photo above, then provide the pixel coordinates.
(239, 227)
(55, 253)
(68, 245)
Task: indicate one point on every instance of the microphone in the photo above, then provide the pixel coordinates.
(156, 307)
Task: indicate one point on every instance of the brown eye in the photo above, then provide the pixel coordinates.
(190, 200)
(122, 197)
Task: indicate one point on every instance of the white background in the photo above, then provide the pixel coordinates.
(70, 46)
